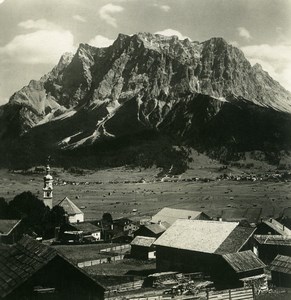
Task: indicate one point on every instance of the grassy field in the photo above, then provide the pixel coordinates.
(113, 191)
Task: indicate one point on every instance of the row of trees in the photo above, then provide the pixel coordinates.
(37, 217)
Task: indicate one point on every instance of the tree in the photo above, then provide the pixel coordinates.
(107, 218)
(4, 209)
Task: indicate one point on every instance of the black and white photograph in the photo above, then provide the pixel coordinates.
(145, 149)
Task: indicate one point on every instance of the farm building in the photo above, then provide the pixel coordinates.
(152, 230)
(125, 225)
(197, 246)
(31, 270)
(170, 215)
(274, 227)
(281, 271)
(142, 247)
(267, 247)
(74, 213)
(10, 231)
(86, 231)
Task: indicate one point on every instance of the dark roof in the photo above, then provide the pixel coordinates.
(20, 261)
(86, 227)
(170, 215)
(268, 239)
(243, 261)
(251, 214)
(7, 225)
(236, 240)
(70, 207)
(143, 241)
(281, 264)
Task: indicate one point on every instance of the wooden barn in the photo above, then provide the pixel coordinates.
(267, 247)
(198, 246)
(31, 270)
(142, 247)
(11, 231)
(152, 230)
(170, 215)
(272, 227)
(281, 271)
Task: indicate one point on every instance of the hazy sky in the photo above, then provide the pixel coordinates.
(35, 33)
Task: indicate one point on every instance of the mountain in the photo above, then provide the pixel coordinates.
(144, 91)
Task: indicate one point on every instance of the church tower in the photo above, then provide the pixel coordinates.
(48, 188)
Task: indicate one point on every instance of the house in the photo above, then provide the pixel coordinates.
(142, 247)
(281, 271)
(267, 247)
(197, 246)
(10, 231)
(125, 225)
(170, 215)
(31, 270)
(75, 215)
(243, 269)
(152, 230)
(85, 232)
(274, 227)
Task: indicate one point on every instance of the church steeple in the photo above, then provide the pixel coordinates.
(48, 188)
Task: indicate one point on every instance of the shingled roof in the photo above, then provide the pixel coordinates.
(205, 236)
(22, 260)
(86, 227)
(281, 264)
(243, 261)
(143, 241)
(278, 227)
(170, 215)
(7, 225)
(157, 228)
(269, 239)
(70, 207)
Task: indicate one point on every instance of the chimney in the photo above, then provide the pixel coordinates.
(271, 220)
(283, 227)
(159, 222)
(189, 217)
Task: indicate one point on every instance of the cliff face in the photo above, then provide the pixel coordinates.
(142, 82)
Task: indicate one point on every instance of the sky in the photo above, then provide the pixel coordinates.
(35, 33)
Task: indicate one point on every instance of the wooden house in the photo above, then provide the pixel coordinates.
(142, 247)
(170, 215)
(10, 231)
(267, 247)
(152, 230)
(31, 270)
(75, 215)
(272, 227)
(281, 271)
(197, 246)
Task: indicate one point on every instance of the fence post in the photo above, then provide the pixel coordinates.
(253, 289)
(207, 295)
(229, 293)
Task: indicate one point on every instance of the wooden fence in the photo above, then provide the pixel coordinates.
(116, 248)
(99, 261)
(234, 294)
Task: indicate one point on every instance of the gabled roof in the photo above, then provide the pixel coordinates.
(278, 227)
(268, 239)
(170, 215)
(22, 260)
(281, 264)
(86, 227)
(243, 261)
(204, 236)
(157, 228)
(69, 207)
(7, 225)
(143, 241)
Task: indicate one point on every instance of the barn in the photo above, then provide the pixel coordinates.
(31, 270)
(152, 230)
(272, 227)
(281, 271)
(10, 231)
(170, 215)
(198, 246)
(142, 247)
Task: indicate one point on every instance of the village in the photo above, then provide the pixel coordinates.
(172, 254)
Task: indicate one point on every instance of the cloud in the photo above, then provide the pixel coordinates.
(42, 24)
(275, 59)
(171, 32)
(106, 12)
(244, 33)
(39, 47)
(165, 8)
(79, 18)
(100, 41)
